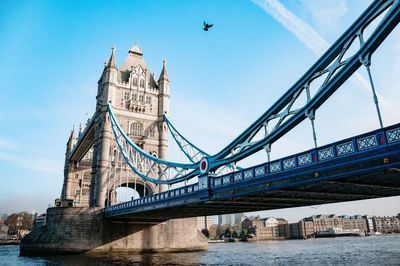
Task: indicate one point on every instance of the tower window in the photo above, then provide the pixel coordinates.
(115, 156)
(126, 95)
(141, 83)
(151, 133)
(136, 129)
(134, 82)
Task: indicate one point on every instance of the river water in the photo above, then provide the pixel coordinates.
(374, 250)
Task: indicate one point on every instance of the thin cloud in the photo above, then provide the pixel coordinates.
(327, 18)
(7, 144)
(36, 164)
(308, 36)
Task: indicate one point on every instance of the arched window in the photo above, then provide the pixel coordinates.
(115, 155)
(86, 177)
(136, 129)
(151, 133)
(134, 82)
(148, 99)
(141, 98)
(126, 95)
(141, 83)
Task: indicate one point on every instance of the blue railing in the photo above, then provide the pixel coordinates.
(340, 149)
(173, 193)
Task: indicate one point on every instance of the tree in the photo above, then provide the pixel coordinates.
(213, 231)
(205, 232)
(230, 232)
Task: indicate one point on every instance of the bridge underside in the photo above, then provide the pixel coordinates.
(370, 175)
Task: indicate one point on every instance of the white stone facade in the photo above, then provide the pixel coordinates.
(139, 102)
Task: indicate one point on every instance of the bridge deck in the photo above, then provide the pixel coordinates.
(362, 167)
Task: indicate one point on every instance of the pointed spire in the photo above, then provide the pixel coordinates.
(71, 139)
(164, 75)
(135, 49)
(111, 62)
(72, 135)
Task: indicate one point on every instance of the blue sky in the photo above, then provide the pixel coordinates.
(52, 55)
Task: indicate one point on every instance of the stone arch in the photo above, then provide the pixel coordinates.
(142, 188)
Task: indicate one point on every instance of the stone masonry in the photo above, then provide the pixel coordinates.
(78, 230)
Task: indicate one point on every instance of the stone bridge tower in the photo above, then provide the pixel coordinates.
(139, 102)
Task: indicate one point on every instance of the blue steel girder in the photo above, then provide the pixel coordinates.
(191, 151)
(335, 187)
(361, 167)
(330, 63)
(147, 166)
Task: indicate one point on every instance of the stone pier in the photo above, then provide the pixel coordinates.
(79, 230)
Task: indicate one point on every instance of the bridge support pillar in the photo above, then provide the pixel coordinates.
(78, 230)
(101, 160)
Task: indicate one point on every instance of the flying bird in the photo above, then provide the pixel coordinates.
(206, 26)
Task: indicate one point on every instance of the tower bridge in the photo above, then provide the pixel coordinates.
(125, 143)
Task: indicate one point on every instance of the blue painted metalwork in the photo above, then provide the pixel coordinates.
(338, 70)
(155, 163)
(185, 145)
(191, 151)
(115, 123)
(209, 185)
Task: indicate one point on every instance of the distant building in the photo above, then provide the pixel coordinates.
(265, 228)
(281, 227)
(356, 222)
(224, 219)
(370, 224)
(39, 221)
(292, 231)
(323, 222)
(306, 229)
(204, 222)
(266, 233)
(3, 231)
(19, 224)
(238, 217)
(386, 224)
(230, 219)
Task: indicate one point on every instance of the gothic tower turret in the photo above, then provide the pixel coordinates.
(102, 144)
(68, 167)
(163, 105)
(139, 103)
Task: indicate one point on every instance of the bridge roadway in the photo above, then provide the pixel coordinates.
(362, 167)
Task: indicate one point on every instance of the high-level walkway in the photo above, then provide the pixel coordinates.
(362, 167)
